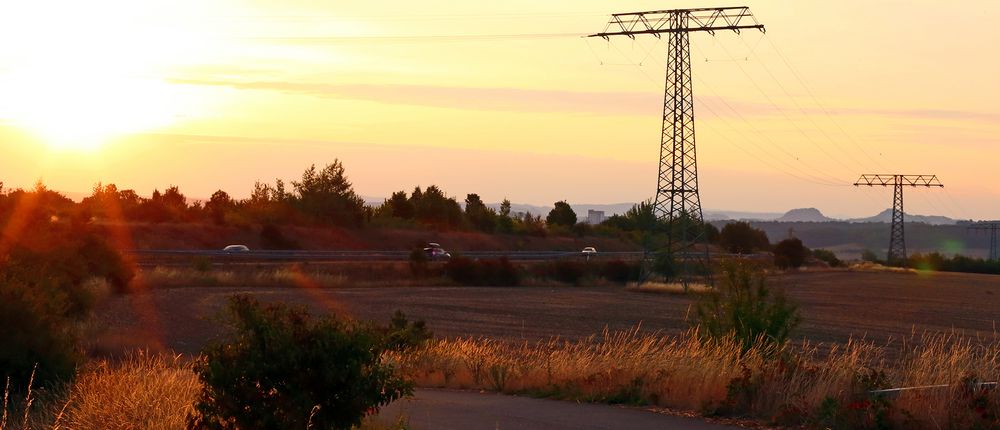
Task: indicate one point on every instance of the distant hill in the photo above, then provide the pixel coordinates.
(886, 216)
(720, 215)
(804, 215)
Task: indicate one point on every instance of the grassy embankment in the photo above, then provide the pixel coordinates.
(781, 385)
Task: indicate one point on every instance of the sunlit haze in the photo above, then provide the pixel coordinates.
(504, 99)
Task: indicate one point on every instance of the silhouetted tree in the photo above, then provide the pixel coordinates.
(741, 238)
(561, 214)
(639, 217)
(480, 216)
(505, 224)
(399, 206)
(218, 205)
(327, 195)
(433, 208)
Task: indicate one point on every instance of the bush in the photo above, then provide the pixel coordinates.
(620, 271)
(827, 257)
(418, 263)
(45, 292)
(271, 237)
(743, 306)
(570, 272)
(285, 370)
(402, 335)
(790, 253)
(869, 255)
(467, 271)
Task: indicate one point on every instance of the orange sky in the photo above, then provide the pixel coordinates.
(218, 94)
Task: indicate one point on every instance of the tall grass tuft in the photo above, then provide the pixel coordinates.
(804, 384)
(143, 391)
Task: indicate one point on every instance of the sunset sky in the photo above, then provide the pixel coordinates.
(502, 98)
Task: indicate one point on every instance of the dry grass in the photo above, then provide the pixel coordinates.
(669, 288)
(868, 266)
(786, 385)
(143, 391)
(281, 277)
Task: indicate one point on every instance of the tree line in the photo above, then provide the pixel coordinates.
(326, 197)
(321, 197)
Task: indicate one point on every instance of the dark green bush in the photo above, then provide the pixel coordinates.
(742, 305)
(957, 263)
(36, 331)
(418, 263)
(827, 257)
(741, 238)
(486, 271)
(570, 272)
(790, 253)
(45, 294)
(620, 271)
(271, 237)
(869, 255)
(463, 270)
(402, 335)
(286, 370)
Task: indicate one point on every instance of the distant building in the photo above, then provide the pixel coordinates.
(595, 217)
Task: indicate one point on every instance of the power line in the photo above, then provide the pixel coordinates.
(322, 40)
(816, 100)
(801, 173)
(803, 111)
(782, 111)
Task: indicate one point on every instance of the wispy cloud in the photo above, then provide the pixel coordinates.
(478, 98)
(533, 100)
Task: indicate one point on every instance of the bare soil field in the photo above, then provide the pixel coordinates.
(835, 306)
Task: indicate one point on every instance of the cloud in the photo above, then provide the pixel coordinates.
(478, 98)
(533, 100)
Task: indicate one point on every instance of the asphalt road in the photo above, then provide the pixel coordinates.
(450, 409)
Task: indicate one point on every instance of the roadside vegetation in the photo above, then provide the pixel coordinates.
(275, 370)
(736, 360)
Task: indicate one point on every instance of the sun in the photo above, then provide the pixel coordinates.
(79, 74)
(84, 112)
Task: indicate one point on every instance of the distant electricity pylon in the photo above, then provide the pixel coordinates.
(677, 200)
(897, 239)
(992, 228)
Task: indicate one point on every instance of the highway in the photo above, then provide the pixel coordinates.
(157, 255)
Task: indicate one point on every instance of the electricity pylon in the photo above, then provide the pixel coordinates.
(677, 200)
(897, 238)
(992, 227)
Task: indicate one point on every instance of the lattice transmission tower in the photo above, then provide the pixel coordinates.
(677, 200)
(897, 238)
(991, 227)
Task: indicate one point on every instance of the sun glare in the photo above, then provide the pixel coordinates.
(78, 74)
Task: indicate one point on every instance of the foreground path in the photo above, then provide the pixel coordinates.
(450, 409)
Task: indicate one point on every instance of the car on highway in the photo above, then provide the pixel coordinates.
(434, 251)
(236, 248)
(590, 250)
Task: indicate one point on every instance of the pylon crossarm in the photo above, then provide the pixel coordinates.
(885, 180)
(656, 22)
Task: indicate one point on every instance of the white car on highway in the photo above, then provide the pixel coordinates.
(236, 248)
